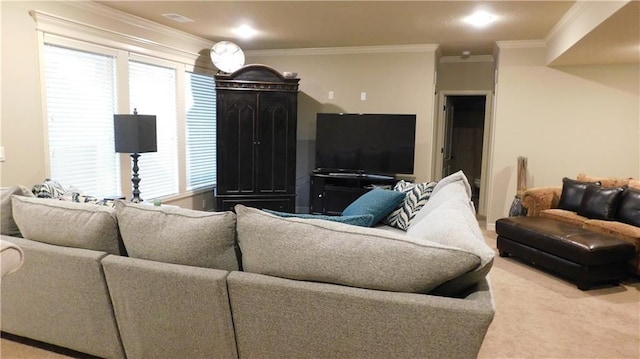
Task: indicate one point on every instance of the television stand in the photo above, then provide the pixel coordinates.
(332, 192)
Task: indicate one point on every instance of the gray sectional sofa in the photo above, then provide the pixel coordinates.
(140, 281)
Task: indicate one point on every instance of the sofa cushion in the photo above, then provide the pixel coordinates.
(454, 224)
(69, 224)
(564, 216)
(363, 220)
(377, 202)
(178, 235)
(629, 208)
(416, 196)
(452, 189)
(634, 183)
(454, 177)
(600, 202)
(617, 229)
(329, 252)
(9, 226)
(572, 193)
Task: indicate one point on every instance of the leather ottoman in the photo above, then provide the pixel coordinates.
(581, 255)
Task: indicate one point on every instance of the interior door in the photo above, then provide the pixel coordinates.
(447, 155)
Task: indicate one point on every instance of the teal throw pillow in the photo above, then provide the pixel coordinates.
(377, 202)
(364, 220)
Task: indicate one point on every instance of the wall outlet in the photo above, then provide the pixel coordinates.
(1, 153)
(363, 96)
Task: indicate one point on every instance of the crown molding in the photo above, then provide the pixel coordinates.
(126, 18)
(345, 50)
(521, 44)
(569, 17)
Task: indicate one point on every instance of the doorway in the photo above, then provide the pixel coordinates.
(462, 139)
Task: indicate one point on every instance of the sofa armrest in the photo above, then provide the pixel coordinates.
(538, 199)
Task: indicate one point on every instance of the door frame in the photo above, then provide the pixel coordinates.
(486, 145)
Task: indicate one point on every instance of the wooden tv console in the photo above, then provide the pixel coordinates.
(331, 193)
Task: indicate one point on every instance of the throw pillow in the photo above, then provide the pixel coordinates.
(364, 220)
(629, 208)
(377, 202)
(69, 224)
(572, 193)
(416, 196)
(330, 252)
(178, 235)
(600, 202)
(48, 189)
(9, 226)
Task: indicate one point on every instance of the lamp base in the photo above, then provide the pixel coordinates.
(135, 179)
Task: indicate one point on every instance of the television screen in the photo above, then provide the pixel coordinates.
(365, 143)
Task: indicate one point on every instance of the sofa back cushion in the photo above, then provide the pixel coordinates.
(178, 235)
(9, 226)
(330, 252)
(572, 193)
(69, 224)
(629, 208)
(600, 202)
(604, 181)
(454, 224)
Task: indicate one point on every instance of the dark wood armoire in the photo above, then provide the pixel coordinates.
(256, 139)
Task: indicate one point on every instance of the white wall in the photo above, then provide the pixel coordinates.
(474, 73)
(564, 120)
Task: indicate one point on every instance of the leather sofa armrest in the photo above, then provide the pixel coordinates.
(540, 198)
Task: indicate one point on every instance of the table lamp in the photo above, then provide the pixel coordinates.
(135, 134)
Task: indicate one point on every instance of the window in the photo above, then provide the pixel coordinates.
(200, 134)
(86, 84)
(153, 92)
(81, 101)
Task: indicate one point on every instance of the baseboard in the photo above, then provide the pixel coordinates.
(491, 226)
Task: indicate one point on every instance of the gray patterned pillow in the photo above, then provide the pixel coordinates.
(417, 195)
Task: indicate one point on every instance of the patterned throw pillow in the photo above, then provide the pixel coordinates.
(417, 195)
(48, 189)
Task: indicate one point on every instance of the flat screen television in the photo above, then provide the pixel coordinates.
(365, 143)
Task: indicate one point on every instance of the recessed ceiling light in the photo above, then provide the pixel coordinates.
(245, 31)
(177, 17)
(480, 19)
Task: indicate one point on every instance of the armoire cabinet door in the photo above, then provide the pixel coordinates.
(275, 150)
(237, 113)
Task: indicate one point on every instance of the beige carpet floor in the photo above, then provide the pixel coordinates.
(537, 316)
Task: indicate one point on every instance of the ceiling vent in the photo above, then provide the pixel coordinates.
(177, 17)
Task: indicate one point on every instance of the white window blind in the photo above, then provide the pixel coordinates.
(200, 96)
(81, 101)
(152, 91)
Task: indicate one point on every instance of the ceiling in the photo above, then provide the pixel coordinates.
(317, 24)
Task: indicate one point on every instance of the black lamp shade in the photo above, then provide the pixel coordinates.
(135, 133)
